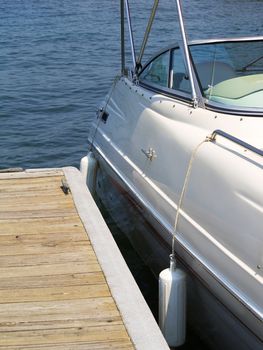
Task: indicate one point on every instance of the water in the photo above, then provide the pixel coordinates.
(58, 58)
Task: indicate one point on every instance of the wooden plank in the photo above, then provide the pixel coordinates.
(53, 293)
(47, 270)
(46, 259)
(58, 208)
(38, 173)
(78, 334)
(112, 345)
(58, 310)
(48, 248)
(66, 279)
(32, 244)
(23, 195)
(42, 240)
(29, 180)
(47, 213)
(66, 224)
(46, 201)
(38, 185)
(60, 324)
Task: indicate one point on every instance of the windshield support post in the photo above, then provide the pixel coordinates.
(147, 32)
(122, 38)
(186, 56)
(130, 34)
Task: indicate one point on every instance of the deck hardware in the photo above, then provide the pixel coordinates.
(150, 154)
(104, 116)
(64, 186)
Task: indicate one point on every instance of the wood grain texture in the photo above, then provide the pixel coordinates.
(53, 293)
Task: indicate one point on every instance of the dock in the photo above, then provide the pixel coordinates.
(63, 282)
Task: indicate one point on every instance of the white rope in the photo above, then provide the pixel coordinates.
(186, 180)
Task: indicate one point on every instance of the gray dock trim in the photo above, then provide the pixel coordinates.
(136, 314)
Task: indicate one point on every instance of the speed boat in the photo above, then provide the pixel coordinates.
(182, 138)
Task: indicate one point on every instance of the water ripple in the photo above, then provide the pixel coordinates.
(58, 59)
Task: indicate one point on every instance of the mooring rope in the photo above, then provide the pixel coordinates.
(186, 180)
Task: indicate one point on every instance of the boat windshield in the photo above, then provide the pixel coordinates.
(230, 73)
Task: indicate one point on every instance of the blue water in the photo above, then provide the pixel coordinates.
(58, 58)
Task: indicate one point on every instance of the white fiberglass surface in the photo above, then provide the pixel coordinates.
(231, 73)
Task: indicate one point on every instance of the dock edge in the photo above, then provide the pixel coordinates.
(137, 317)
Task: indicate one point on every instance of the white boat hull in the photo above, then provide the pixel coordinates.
(219, 233)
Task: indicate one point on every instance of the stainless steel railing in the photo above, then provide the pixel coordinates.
(236, 140)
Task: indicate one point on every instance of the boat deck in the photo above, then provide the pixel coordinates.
(54, 293)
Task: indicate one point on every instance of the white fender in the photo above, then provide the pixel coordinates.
(172, 304)
(88, 169)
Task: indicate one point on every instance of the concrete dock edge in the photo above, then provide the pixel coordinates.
(136, 314)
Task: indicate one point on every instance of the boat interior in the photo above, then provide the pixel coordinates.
(228, 72)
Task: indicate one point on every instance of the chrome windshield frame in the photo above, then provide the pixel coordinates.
(175, 44)
(210, 105)
(225, 108)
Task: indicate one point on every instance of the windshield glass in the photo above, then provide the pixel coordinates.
(230, 73)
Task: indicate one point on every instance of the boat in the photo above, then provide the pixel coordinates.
(181, 137)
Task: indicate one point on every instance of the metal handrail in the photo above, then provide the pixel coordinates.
(236, 140)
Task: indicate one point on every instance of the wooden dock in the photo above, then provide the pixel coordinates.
(61, 274)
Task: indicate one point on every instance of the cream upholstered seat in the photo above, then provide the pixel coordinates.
(212, 73)
(246, 91)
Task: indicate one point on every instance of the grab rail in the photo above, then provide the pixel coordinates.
(236, 140)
